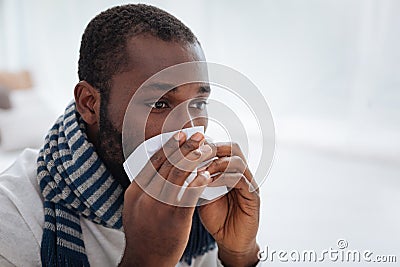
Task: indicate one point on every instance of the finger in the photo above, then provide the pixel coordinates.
(194, 190)
(229, 179)
(228, 149)
(181, 172)
(188, 164)
(155, 186)
(236, 181)
(165, 190)
(157, 160)
(227, 164)
(232, 164)
(193, 143)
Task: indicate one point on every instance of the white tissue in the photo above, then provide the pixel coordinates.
(138, 159)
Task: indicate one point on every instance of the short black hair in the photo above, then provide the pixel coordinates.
(103, 50)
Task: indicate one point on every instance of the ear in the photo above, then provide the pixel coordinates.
(87, 100)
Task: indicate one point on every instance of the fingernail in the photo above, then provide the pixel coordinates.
(206, 174)
(197, 153)
(202, 169)
(202, 142)
(178, 136)
(197, 137)
(205, 149)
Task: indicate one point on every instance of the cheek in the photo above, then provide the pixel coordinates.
(136, 128)
(133, 128)
(116, 116)
(155, 123)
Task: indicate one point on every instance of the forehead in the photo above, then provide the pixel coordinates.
(149, 55)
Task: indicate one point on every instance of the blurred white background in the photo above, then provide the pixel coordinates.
(330, 71)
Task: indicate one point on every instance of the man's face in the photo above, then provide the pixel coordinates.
(182, 107)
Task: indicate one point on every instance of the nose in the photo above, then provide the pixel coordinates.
(189, 123)
(179, 118)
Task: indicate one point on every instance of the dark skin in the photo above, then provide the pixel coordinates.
(232, 219)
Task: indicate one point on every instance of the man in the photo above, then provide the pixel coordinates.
(71, 203)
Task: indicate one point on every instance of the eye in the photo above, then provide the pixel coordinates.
(198, 104)
(158, 105)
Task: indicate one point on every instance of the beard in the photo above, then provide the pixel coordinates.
(109, 147)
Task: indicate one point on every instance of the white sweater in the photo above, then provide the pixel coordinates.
(22, 218)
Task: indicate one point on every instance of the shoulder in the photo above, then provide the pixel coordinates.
(24, 165)
(18, 182)
(21, 211)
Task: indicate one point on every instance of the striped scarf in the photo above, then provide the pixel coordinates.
(74, 182)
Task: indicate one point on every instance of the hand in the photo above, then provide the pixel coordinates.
(233, 219)
(157, 233)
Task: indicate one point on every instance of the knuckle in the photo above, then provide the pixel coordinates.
(190, 145)
(238, 159)
(140, 181)
(168, 164)
(214, 148)
(176, 173)
(128, 192)
(157, 157)
(171, 144)
(195, 154)
(220, 164)
(174, 159)
(235, 146)
(239, 163)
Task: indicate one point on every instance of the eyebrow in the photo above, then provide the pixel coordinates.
(165, 86)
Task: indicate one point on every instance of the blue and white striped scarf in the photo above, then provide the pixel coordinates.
(75, 182)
